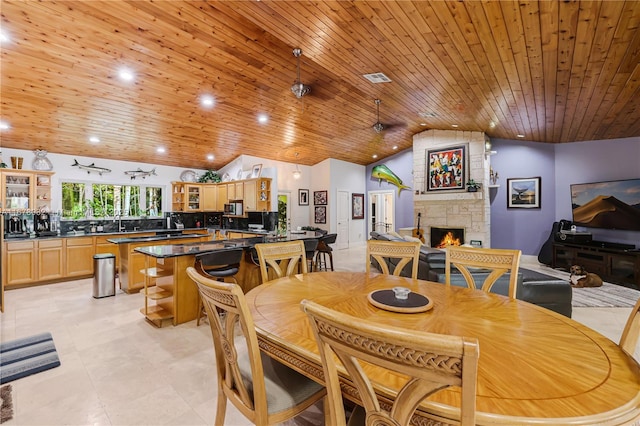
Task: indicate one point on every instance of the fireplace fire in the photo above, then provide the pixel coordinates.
(442, 237)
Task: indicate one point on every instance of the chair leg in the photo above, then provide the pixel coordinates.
(201, 311)
(331, 259)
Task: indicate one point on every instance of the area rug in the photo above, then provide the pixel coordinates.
(6, 404)
(607, 296)
(24, 357)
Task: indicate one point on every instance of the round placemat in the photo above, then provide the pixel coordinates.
(386, 299)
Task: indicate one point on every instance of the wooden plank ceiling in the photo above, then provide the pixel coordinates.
(552, 71)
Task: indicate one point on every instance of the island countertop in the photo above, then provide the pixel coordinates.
(174, 250)
(161, 237)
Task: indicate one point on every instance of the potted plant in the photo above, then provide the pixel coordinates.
(210, 176)
(472, 186)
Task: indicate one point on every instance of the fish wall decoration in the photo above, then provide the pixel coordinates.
(90, 168)
(140, 173)
(382, 172)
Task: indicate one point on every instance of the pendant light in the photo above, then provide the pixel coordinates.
(297, 174)
(299, 89)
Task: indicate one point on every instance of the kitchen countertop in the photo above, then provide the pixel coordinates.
(174, 250)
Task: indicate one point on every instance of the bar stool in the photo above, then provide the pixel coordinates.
(310, 246)
(218, 265)
(325, 250)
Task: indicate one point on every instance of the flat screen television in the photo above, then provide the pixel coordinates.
(610, 205)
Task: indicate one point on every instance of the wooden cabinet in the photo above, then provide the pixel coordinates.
(223, 196)
(209, 197)
(239, 190)
(20, 263)
(250, 195)
(192, 192)
(263, 197)
(104, 246)
(79, 256)
(25, 190)
(177, 197)
(50, 261)
(612, 262)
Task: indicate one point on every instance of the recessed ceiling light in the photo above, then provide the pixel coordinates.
(423, 124)
(210, 157)
(374, 156)
(455, 126)
(4, 125)
(125, 74)
(94, 139)
(395, 147)
(492, 124)
(207, 101)
(520, 136)
(263, 118)
(4, 37)
(160, 150)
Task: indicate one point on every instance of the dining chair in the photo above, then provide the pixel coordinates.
(631, 332)
(403, 251)
(495, 262)
(289, 255)
(265, 391)
(430, 361)
(218, 265)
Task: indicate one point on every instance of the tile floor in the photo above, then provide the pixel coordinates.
(119, 370)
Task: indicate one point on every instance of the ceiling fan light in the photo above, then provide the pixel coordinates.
(300, 89)
(297, 174)
(378, 127)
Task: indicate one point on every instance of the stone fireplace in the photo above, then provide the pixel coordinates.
(469, 211)
(442, 237)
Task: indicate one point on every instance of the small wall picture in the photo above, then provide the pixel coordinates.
(523, 193)
(320, 198)
(303, 197)
(256, 170)
(357, 206)
(446, 168)
(320, 214)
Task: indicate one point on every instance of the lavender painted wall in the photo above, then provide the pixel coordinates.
(524, 229)
(596, 161)
(559, 165)
(400, 164)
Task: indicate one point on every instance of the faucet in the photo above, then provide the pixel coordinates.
(119, 217)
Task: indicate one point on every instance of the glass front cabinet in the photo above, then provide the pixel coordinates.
(24, 190)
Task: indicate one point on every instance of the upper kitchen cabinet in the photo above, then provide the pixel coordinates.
(25, 190)
(257, 194)
(177, 196)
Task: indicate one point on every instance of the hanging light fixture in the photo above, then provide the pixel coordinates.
(299, 89)
(297, 173)
(378, 126)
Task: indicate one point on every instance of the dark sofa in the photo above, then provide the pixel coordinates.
(533, 287)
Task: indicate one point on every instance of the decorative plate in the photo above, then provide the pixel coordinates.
(188, 176)
(239, 175)
(226, 177)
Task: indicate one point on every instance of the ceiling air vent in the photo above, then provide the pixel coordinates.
(377, 77)
(427, 114)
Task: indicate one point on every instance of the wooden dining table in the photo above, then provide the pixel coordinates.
(535, 366)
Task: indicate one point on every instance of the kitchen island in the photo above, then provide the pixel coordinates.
(169, 292)
(131, 263)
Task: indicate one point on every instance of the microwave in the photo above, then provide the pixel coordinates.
(233, 208)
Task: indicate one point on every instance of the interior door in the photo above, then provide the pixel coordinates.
(343, 206)
(381, 211)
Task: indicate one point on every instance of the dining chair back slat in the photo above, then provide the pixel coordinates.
(495, 261)
(631, 332)
(430, 361)
(281, 258)
(403, 251)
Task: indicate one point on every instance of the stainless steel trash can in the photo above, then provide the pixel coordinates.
(104, 276)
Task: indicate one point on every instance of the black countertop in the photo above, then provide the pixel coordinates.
(174, 250)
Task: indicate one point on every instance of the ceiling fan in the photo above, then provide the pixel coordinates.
(378, 126)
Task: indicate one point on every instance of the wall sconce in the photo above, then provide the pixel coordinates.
(487, 148)
(297, 173)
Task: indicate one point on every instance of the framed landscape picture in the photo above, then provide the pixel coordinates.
(320, 214)
(303, 197)
(523, 193)
(320, 198)
(446, 168)
(357, 206)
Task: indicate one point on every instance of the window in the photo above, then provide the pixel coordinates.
(83, 200)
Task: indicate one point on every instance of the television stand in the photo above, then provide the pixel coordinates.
(613, 262)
